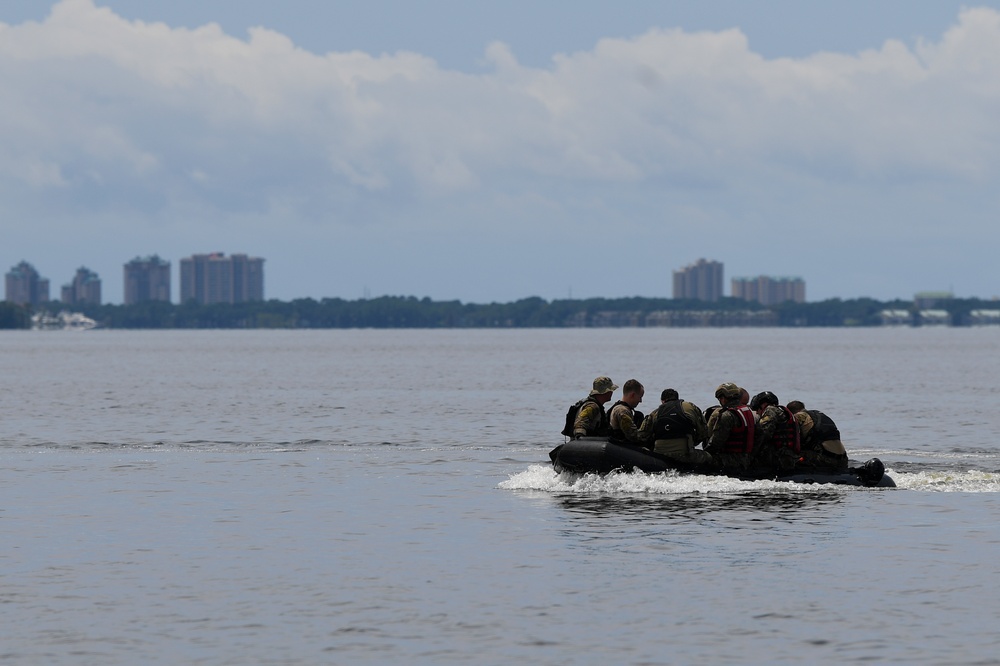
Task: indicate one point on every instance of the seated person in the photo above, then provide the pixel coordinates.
(623, 415)
(821, 445)
(674, 428)
(777, 443)
(731, 431)
(591, 419)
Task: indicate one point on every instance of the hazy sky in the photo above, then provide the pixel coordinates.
(491, 151)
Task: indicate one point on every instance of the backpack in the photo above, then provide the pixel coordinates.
(571, 413)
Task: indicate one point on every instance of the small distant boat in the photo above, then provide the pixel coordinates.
(599, 456)
(64, 321)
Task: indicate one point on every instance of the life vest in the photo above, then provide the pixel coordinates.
(786, 435)
(824, 429)
(671, 421)
(741, 435)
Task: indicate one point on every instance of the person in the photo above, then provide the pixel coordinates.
(731, 431)
(777, 442)
(821, 445)
(675, 427)
(591, 419)
(744, 399)
(623, 416)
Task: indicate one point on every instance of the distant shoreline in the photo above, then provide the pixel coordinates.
(535, 312)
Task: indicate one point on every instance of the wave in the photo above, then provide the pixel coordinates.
(544, 478)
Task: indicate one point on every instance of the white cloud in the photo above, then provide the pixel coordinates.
(667, 125)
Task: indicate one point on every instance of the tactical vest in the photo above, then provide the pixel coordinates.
(616, 433)
(741, 435)
(824, 429)
(671, 421)
(786, 435)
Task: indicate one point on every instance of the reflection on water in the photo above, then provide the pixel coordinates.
(788, 506)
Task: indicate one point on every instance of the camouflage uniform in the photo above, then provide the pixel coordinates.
(591, 419)
(818, 452)
(622, 418)
(720, 424)
(681, 448)
(768, 458)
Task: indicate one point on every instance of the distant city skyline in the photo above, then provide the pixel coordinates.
(493, 151)
(214, 277)
(206, 278)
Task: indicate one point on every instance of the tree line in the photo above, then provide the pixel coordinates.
(534, 312)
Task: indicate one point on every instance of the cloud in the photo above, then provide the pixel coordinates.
(105, 115)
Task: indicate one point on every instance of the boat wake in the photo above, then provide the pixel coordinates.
(544, 478)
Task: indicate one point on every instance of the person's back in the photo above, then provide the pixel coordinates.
(777, 439)
(674, 428)
(822, 448)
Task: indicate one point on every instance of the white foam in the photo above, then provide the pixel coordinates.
(544, 478)
(949, 481)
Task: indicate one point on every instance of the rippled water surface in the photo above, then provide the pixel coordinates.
(303, 497)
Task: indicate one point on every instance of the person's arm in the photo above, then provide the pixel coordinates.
(694, 414)
(587, 419)
(769, 422)
(646, 429)
(627, 425)
(723, 425)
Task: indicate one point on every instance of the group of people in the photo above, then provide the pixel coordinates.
(741, 435)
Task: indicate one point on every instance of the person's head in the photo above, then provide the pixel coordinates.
(761, 401)
(728, 393)
(603, 388)
(795, 406)
(632, 393)
(668, 395)
(744, 396)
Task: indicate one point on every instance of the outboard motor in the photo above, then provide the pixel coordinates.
(871, 472)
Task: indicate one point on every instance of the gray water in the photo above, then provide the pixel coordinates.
(304, 497)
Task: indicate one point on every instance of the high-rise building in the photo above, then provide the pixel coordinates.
(216, 278)
(85, 288)
(147, 279)
(25, 287)
(701, 280)
(770, 290)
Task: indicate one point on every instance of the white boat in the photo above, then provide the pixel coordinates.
(64, 321)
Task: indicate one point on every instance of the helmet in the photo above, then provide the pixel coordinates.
(762, 397)
(727, 390)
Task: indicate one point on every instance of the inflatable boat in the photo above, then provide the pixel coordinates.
(599, 456)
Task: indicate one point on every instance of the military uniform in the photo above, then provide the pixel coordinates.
(821, 445)
(720, 426)
(769, 454)
(681, 448)
(622, 421)
(591, 420)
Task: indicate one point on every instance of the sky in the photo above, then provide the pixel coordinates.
(492, 151)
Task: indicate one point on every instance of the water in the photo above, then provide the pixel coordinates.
(302, 497)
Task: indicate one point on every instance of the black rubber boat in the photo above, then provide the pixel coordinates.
(599, 456)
